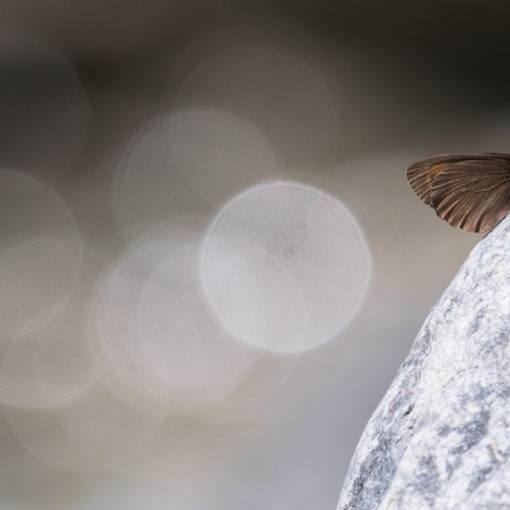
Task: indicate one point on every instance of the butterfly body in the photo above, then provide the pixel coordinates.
(469, 191)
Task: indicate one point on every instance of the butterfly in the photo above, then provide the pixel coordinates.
(469, 191)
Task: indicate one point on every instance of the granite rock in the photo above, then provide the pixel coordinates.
(440, 438)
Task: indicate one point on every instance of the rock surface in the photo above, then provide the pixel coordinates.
(440, 438)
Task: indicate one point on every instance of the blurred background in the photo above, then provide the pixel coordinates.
(211, 263)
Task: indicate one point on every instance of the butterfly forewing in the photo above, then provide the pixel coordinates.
(469, 191)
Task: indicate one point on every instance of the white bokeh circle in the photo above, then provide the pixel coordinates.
(285, 95)
(285, 266)
(198, 362)
(51, 364)
(154, 337)
(40, 253)
(188, 163)
(114, 329)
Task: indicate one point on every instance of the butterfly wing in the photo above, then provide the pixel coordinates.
(422, 174)
(469, 191)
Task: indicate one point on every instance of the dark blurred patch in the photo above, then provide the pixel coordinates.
(44, 112)
(468, 38)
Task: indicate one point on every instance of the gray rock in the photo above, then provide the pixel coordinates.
(440, 438)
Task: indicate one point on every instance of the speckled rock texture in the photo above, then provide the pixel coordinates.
(440, 438)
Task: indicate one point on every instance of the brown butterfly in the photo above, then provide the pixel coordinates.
(469, 191)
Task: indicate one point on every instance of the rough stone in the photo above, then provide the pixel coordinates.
(440, 438)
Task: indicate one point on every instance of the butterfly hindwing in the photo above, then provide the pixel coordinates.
(422, 174)
(469, 191)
